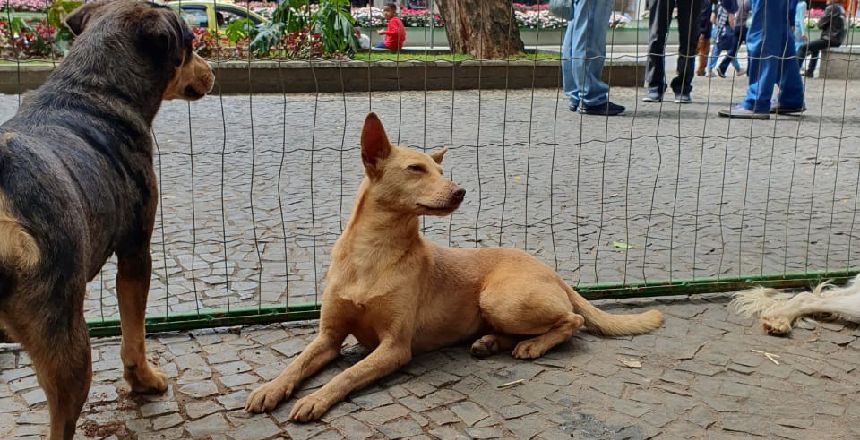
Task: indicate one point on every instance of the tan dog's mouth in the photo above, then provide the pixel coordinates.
(192, 94)
(440, 209)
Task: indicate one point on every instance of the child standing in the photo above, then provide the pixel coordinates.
(395, 34)
(723, 36)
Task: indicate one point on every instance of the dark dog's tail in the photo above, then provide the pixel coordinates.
(598, 321)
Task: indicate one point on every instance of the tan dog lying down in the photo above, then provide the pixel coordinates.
(400, 294)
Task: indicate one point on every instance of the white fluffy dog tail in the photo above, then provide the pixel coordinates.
(756, 301)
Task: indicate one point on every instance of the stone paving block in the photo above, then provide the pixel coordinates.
(401, 428)
(207, 426)
(199, 390)
(469, 412)
(196, 410)
(255, 429)
(352, 429)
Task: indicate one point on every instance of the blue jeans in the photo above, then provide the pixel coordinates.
(715, 56)
(584, 52)
(772, 58)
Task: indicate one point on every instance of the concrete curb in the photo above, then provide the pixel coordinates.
(325, 76)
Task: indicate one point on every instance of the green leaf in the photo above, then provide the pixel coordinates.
(618, 244)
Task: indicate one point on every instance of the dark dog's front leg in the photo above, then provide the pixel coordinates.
(132, 290)
(388, 356)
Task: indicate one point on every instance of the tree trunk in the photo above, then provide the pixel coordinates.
(481, 28)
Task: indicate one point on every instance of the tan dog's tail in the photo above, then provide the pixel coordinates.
(607, 324)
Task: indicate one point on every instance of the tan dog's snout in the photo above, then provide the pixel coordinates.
(457, 193)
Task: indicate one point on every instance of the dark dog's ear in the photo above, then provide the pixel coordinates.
(160, 36)
(439, 154)
(374, 144)
(79, 18)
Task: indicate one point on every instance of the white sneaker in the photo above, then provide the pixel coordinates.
(740, 72)
(711, 73)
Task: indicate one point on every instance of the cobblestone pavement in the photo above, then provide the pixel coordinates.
(255, 189)
(706, 374)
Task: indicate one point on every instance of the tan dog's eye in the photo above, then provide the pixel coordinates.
(417, 168)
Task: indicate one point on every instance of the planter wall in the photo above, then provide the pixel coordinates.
(361, 76)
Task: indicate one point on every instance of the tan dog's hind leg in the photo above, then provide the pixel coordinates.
(133, 277)
(386, 358)
(322, 350)
(515, 306)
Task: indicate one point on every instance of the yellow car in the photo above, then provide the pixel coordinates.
(213, 15)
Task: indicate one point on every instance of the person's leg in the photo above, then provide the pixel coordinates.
(815, 47)
(715, 56)
(567, 71)
(702, 51)
(766, 43)
(659, 16)
(688, 35)
(731, 55)
(790, 95)
(592, 45)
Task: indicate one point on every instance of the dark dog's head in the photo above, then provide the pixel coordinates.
(405, 180)
(146, 33)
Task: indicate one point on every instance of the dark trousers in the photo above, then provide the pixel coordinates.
(731, 54)
(813, 47)
(659, 18)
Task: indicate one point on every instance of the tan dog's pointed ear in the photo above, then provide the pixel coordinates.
(374, 144)
(439, 154)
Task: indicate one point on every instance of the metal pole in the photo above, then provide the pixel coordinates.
(432, 24)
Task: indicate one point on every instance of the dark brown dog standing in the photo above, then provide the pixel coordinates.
(77, 185)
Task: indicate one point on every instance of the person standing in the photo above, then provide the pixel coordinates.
(659, 19)
(584, 53)
(742, 18)
(772, 62)
(801, 34)
(705, 28)
(833, 30)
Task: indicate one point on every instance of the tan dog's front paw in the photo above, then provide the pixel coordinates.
(529, 350)
(146, 379)
(308, 408)
(267, 397)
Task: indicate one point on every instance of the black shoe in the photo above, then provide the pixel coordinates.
(573, 107)
(653, 97)
(605, 109)
(807, 74)
(721, 73)
(683, 98)
(786, 110)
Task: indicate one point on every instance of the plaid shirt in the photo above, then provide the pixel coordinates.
(722, 22)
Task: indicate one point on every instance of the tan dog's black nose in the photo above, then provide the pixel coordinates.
(459, 194)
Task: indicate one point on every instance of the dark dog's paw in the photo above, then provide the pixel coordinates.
(146, 379)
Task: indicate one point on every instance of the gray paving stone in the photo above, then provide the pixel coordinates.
(234, 400)
(237, 380)
(196, 410)
(379, 416)
(372, 400)
(469, 412)
(401, 428)
(303, 431)
(255, 429)
(199, 390)
(207, 426)
(352, 429)
(158, 408)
